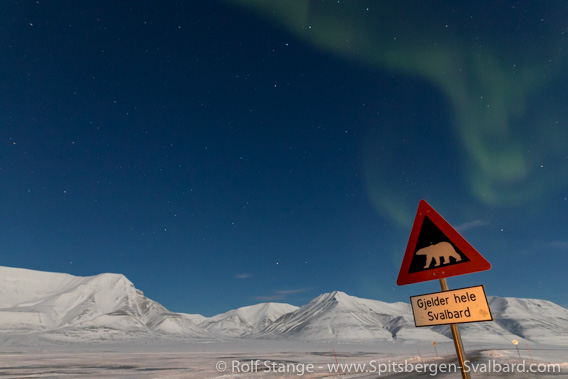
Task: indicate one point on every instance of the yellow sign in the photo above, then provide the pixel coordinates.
(451, 307)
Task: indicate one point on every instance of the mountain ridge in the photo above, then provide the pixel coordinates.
(55, 307)
(246, 320)
(104, 306)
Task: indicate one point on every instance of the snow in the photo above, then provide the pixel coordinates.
(56, 325)
(532, 320)
(338, 316)
(246, 320)
(55, 307)
(101, 307)
(224, 360)
(196, 318)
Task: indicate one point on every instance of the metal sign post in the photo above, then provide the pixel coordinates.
(516, 343)
(457, 337)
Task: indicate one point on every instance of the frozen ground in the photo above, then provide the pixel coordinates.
(62, 326)
(260, 359)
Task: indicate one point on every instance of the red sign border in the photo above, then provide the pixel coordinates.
(476, 261)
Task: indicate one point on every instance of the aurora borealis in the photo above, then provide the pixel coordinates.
(225, 153)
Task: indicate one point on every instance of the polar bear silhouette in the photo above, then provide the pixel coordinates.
(437, 252)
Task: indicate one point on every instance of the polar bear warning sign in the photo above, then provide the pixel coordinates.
(436, 250)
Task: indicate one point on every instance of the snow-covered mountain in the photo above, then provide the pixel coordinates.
(525, 320)
(246, 320)
(43, 306)
(105, 306)
(337, 316)
(534, 320)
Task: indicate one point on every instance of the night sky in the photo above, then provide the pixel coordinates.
(222, 154)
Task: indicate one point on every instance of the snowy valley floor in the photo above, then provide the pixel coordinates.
(272, 359)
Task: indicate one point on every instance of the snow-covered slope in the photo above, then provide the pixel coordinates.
(525, 320)
(196, 318)
(105, 306)
(337, 316)
(246, 320)
(535, 320)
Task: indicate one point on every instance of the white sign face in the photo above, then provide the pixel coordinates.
(451, 307)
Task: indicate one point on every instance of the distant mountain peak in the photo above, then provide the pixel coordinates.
(104, 306)
(339, 295)
(246, 320)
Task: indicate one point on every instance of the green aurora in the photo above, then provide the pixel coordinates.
(498, 66)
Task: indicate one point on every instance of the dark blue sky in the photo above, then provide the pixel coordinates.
(220, 154)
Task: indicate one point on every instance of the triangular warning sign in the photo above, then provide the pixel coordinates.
(436, 250)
